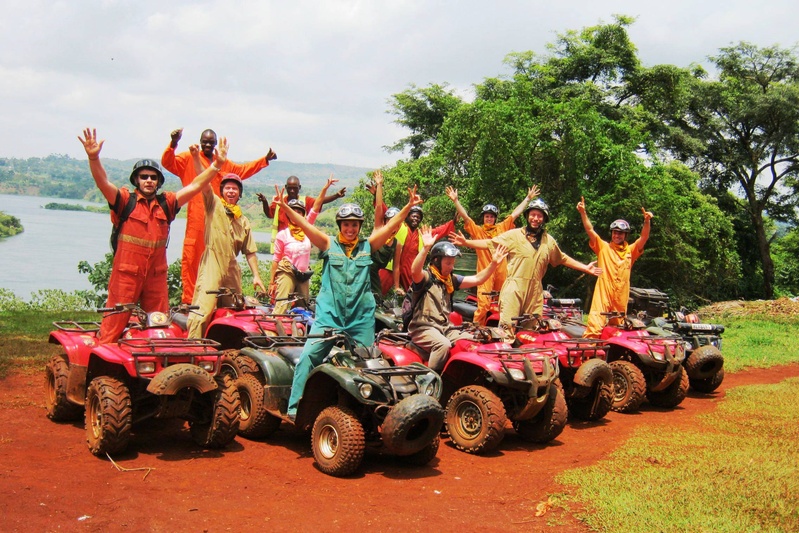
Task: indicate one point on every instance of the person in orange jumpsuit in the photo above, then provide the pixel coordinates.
(409, 243)
(182, 166)
(616, 259)
(489, 229)
(138, 273)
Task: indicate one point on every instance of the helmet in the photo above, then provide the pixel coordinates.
(297, 205)
(349, 212)
(234, 178)
(490, 209)
(417, 209)
(540, 205)
(620, 225)
(146, 163)
(444, 249)
(390, 213)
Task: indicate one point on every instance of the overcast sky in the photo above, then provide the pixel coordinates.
(309, 79)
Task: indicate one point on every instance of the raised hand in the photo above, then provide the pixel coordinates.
(581, 205)
(428, 237)
(90, 143)
(533, 192)
(279, 197)
(261, 198)
(377, 176)
(220, 152)
(593, 269)
(414, 198)
(457, 238)
(330, 181)
(647, 214)
(176, 134)
(452, 193)
(500, 253)
(270, 155)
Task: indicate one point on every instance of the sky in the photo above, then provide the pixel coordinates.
(312, 80)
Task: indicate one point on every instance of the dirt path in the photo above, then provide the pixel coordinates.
(50, 482)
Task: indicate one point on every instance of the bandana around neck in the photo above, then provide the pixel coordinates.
(620, 249)
(233, 209)
(349, 246)
(296, 232)
(446, 281)
(534, 236)
(490, 229)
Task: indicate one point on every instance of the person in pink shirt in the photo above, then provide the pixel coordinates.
(292, 256)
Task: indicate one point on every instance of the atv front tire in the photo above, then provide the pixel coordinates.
(59, 408)
(475, 419)
(549, 422)
(222, 422)
(338, 441)
(629, 387)
(412, 424)
(704, 362)
(673, 395)
(109, 416)
(424, 456)
(255, 422)
(707, 385)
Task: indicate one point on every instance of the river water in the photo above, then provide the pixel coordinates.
(47, 253)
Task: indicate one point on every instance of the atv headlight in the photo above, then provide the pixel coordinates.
(517, 374)
(146, 368)
(208, 366)
(365, 389)
(430, 389)
(658, 355)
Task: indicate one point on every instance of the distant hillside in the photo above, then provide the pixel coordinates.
(61, 176)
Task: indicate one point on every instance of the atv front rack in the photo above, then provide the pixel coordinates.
(260, 342)
(672, 346)
(578, 350)
(167, 349)
(71, 326)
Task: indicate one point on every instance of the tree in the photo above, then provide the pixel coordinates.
(741, 133)
(422, 111)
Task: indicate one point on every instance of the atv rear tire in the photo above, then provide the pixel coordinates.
(629, 387)
(704, 362)
(338, 441)
(595, 405)
(412, 424)
(109, 416)
(234, 364)
(255, 422)
(59, 408)
(475, 419)
(424, 456)
(707, 385)
(673, 395)
(549, 422)
(223, 425)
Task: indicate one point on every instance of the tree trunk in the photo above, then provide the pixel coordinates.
(765, 255)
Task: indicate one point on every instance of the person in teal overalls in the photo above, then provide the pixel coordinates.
(345, 300)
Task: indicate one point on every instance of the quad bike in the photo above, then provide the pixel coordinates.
(569, 308)
(486, 382)
(354, 399)
(388, 315)
(644, 365)
(587, 379)
(151, 372)
(703, 360)
(463, 310)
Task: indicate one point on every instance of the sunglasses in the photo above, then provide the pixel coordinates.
(349, 210)
(150, 177)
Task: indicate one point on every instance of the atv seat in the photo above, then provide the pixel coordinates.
(181, 320)
(465, 309)
(292, 353)
(575, 331)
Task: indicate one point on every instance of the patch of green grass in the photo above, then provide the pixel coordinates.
(758, 343)
(737, 471)
(24, 335)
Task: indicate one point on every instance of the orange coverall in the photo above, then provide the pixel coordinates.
(495, 281)
(182, 166)
(138, 273)
(612, 288)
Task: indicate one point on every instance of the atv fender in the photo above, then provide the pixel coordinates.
(180, 376)
(400, 355)
(539, 390)
(590, 372)
(278, 374)
(77, 346)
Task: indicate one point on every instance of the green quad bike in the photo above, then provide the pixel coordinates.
(355, 399)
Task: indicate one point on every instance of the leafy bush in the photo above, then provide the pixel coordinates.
(9, 225)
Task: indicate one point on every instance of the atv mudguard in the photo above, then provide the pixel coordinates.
(77, 346)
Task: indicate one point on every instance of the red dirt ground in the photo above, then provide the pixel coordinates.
(50, 482)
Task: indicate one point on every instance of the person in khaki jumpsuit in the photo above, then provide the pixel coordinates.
(488, 229)
(227, 233)
(531, 250)
(616, 258)
(430, 328)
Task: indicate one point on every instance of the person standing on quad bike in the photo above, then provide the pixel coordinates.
(616, 259)
(138, 273)
(530, 251)
(227, 234)
(432, 289)
(488, 229)
(345, 301)
(182, 165)
(292, 256)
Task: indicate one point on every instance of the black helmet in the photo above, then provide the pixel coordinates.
(297, 205)
(146, 163)
(349, 212)
(390, 213)
(235, 179)
(416, 209)
(540, 205)
(620, 225)
(490, 209)
(444, 249)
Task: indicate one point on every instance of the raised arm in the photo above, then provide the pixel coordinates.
(590, 268)
(641, 242)
(589, 228)
(453, 195)
(428, 240)
(380, 207)
(320, 199)
(189, 191)
(379, 236)
(93, 147)
(315, 235)
(499, 255)
(199, 167)
(477, 244)
(532, 193)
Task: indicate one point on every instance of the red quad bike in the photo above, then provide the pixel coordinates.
(486, 382)
(703, 360)
(587, 379)
(463, 310)
(644, 365)
(151, 372)
(568, 308)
